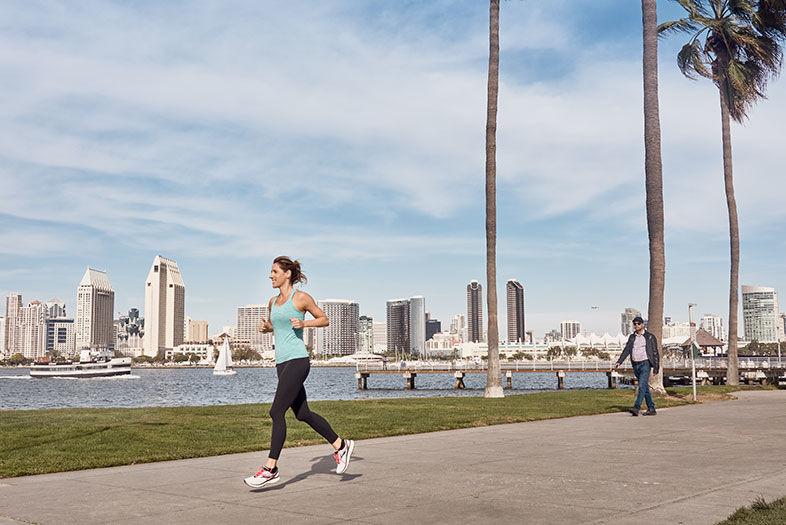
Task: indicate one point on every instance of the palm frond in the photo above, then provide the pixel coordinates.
(694, 7)
(683, 25)
(743, 9)
(770, 18)
(690, 60)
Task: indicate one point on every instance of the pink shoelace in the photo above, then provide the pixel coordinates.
(264, 473)
(337, 457)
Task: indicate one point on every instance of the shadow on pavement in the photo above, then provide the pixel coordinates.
(320, 465)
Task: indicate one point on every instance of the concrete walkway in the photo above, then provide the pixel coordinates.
(693, 464)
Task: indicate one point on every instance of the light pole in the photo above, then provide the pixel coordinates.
(692, 360)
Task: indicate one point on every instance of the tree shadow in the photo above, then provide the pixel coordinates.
(319, 465)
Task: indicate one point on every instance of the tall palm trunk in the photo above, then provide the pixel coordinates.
(493, 388)
(732, 371)
(653, 174)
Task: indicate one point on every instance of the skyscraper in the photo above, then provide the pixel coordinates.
(32, 330)
(569, 329)
(248, 319)
(198, 330)
(56, 308)
(713, 324)
(417, 325)
(60, 336)
(380, 336)
(398, 330)
(516, 322)
(165, 302)
(626, 320)
(95, 306)
(2, 335)
(433, 326)
(760, 313)
(474, 312)
(340, 337)
(13, 303)
(366, 334)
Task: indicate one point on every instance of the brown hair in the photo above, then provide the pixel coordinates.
(287, 264)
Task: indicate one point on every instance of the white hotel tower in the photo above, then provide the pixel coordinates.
(95, 306)
(165, 307)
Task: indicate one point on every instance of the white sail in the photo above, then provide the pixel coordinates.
(224, 361)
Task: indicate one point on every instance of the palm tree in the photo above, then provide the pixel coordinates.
(493, 387)
(653, 175)
(737, 45)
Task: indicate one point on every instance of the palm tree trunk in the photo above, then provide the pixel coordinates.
(732, 372)
(653, 171)
(493, 388)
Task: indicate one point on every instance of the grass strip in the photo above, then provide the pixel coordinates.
(759, 513)
(57, 440)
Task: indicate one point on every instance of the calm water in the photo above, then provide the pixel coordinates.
(198, 386)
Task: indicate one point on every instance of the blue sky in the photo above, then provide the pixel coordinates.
(349, 134)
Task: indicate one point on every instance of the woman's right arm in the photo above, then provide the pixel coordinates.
(266, 326)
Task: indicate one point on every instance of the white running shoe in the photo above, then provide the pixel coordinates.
(343, 456)
(264, 476)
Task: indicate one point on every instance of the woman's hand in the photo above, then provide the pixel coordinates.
(297, 323)
(265, 326)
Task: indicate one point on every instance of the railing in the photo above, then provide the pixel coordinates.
(702, 363)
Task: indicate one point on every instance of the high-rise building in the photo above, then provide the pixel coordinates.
(56, 308)
(398, 331)
(433, 326)
(366, 334)
(13, 304)
(340, 337)
(32, 330)
(458, 327)
(60, 336)
(516, 321)
(569, 329)
(380, 336)
(417, 325)
(474, 312)
(248, 319)
(782, 327)
(626, 320)
(713, 324)
(165, 306)
(760, 313)
(197, 331)
(2, 335)
(129, 333)
(95, 306)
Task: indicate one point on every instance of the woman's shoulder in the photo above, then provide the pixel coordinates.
(300, 295)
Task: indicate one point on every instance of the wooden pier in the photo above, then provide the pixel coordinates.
(711, 370)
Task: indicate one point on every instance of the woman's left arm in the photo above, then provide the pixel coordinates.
(304, 301)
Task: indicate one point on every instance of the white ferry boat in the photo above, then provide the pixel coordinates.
(91, 364)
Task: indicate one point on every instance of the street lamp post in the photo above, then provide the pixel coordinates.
(692, 359)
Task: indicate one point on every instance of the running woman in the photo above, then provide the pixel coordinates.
(287, 321)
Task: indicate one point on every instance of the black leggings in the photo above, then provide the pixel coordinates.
(290, 392)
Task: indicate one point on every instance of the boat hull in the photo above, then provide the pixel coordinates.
(115, 367)
(224, 372)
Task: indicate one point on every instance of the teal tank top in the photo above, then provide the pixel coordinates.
(289, 341)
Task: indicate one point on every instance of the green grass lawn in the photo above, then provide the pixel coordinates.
(759, 513)
(41, 441)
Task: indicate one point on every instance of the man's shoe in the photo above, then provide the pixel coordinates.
(343, 455)
(650, 413)
(633, 411)
(264, 476)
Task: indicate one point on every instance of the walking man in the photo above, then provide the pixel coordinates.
(642, 347)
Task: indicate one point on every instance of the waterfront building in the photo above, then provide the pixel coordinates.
(129, 334)
(95, 305)
(197, 331)
(2, 335)
(398, 330)
(165, 299)
(474, 312)
(380, 336)
(713, 325)
(676, 330)
(32, 330)
(516, 322)
(366, 334)
(433, 326)
(60, 336)
(249, 318)
(417, 325)
(13, 305)
(340, 337)
(569, 329)
(760, 313)
(204, 351)
(626, 320)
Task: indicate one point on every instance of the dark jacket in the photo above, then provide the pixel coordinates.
(653, 356)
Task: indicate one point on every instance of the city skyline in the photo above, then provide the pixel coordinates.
(193, 145)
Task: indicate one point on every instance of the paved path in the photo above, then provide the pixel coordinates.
(692, 464)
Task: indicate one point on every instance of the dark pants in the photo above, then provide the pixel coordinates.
(290, 393)
(642, 371)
